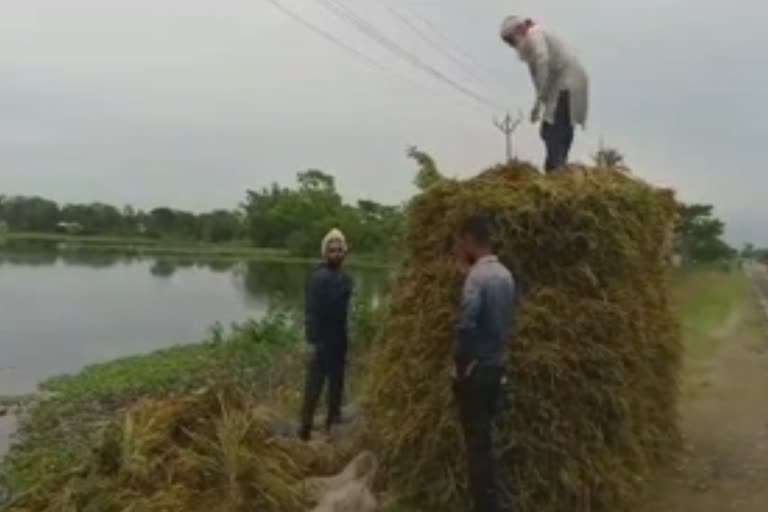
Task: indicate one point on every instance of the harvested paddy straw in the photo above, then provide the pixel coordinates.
(590, 402)
(205, 452)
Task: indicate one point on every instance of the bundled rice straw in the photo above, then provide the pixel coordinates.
(590, 405)
(201, 453)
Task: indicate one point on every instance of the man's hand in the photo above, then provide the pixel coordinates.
(536, 112)
(454, 372)
(310, 351)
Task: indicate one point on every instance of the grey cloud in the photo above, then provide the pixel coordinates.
(191, 102)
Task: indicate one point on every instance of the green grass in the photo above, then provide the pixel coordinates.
(706, 298)
(157, 372)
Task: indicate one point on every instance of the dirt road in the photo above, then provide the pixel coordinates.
(725, 419)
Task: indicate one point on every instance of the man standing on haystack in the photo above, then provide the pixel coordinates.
(561, 83)
(327, 307)
(485, 329)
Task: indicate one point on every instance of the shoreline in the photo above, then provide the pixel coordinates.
(43, 432)
(10, 406)
(178, 248)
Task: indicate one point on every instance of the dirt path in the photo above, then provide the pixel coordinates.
(725, 421)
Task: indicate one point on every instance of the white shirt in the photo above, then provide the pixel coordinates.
(555, 68)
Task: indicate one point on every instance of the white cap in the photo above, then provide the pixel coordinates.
(333, 235)
(510, 24)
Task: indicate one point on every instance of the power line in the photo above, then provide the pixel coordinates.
(346, 14)
(343, 45)
(457, 54)
(457, 47)
(430, 40)
(335, 40)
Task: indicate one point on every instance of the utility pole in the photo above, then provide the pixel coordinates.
(507, 126)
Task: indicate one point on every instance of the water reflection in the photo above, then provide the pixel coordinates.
(162, 268)
(264, 280)
(259, 282)
(27, 257)
(63, 308)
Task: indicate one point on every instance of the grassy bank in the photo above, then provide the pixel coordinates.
(263, 360)
(57, 431)
(175, 247)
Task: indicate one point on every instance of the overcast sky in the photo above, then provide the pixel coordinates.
(190, 102)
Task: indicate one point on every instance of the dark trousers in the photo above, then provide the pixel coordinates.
(478, 396)
(558, 136)
(324, 365)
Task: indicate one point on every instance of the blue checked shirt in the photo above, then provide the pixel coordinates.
(487, 313)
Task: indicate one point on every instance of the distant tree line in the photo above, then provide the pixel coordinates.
(749, 251)
(296, 217)
(40, 215)
(293, 218)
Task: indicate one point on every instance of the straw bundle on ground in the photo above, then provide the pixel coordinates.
(203, 453)
(590, 404)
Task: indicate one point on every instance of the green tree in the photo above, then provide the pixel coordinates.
(220, 226)
(98, 218)
(29, 213)
(162, 220)
(314, 180)
(297, 218)
(699, 234)
(428, 173)
(263, 225)
(294, 217)
(171, 223)
(609, 158)
(380, 225)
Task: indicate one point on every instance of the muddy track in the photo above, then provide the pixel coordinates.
(724, 417)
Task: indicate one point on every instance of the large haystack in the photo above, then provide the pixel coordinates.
(593, 372)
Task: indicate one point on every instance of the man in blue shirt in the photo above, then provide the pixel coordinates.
(485, 328)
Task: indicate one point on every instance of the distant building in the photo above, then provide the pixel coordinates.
(71, 228)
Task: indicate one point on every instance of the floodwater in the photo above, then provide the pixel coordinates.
(63, 309)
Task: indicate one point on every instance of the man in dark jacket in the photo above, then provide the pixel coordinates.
(485, 328)
(327, 307)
